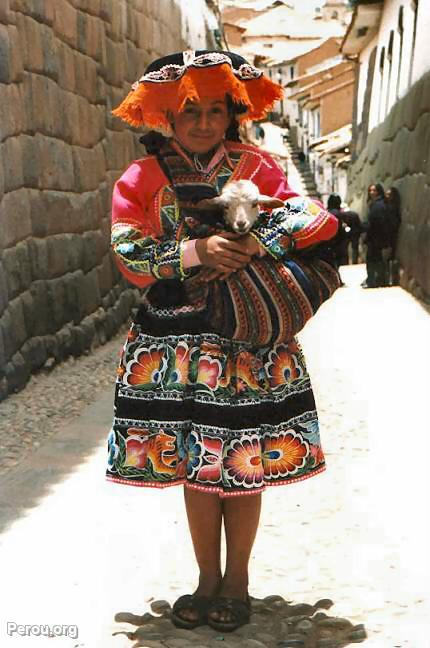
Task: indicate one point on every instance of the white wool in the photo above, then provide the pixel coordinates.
(240, 200)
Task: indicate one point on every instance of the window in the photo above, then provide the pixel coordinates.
(335, 15)
(381, 83)
(399, 67)
(390, 65)
(414, 38)
(291, 71)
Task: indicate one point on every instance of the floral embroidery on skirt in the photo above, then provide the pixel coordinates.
(212, 413)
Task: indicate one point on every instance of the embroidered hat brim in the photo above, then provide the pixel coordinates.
(169, 82)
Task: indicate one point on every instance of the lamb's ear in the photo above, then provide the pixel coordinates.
(211, 203)
(271, 203)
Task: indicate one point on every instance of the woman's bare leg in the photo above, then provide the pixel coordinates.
(241, 516)
(204, 512)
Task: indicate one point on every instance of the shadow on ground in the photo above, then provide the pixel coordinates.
(275, 623)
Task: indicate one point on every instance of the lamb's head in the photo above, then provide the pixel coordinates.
(240, 200)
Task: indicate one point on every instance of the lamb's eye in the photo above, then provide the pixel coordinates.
(255, 203)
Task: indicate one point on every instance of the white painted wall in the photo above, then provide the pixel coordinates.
(421, 63)
(362, 76)
(388, 88)
(196, 18)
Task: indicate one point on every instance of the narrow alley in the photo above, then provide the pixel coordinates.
(358, 534)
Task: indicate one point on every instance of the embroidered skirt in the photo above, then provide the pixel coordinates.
(214, 414)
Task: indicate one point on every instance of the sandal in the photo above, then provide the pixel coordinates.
(192, 602)
(240, 612)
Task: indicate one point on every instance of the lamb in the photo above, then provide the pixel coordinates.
(240, 200)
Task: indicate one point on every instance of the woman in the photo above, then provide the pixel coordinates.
(223, 417)
(375, 237)
(394, 220)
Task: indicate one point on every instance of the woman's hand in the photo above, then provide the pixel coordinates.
(224, 252)
(246, 245)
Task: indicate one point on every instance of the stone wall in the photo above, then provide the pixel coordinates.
(64, 64)
(397, 153)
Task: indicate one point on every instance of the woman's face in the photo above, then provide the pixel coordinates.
(373, 192)
(201, 126)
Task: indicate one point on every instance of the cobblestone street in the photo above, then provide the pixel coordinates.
(78, 550)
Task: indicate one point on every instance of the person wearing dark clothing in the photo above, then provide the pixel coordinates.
(376, 238)
(352, 220)
(339, 243)
(393, 221)
(302, 159)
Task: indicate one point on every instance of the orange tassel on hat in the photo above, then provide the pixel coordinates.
(167, 88)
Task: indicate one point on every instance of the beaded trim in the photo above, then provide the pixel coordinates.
(175, 72)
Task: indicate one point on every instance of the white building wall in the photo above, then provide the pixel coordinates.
(362, 77)
(421, 63)
(196, 19)
(388, 89)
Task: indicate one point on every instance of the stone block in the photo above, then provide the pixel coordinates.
(41, 98)
(72, 306)
(89, 259)
(41, 10)
(421, 213)
(85, 171)
(130, 24)
(57, 255)
(66, 22)
(15, 218)
(419, 145)
(104, 271)
(10, 55)
(89, 6)
(81, 341)
(105, 200)
(119, 148)
(3, 290)
(115, 71)
(412, 105)
(90, 293)
(38, 248)
(50, 51)
(399, 166)
(17, 373)
(17, 267)
(90, 124)
(57, 165)
(15, 329)
(118, 23)
(3, 358)
(11, 159)
(52, 351)
(86, 76)
(5, 14)
(1, 180)
(68, 109)
(106, 10)
(65, 341)
(66, 67)
(102, 245)
(30, 32)
(51, 212)
(56, 294)
(101, 91)
(90, 36)
(425, 94)
(36, 312)
(31, 169)
(75, 252)
(114, 97)
(34, 353)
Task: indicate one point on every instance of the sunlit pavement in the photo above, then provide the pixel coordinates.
(76, 549)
